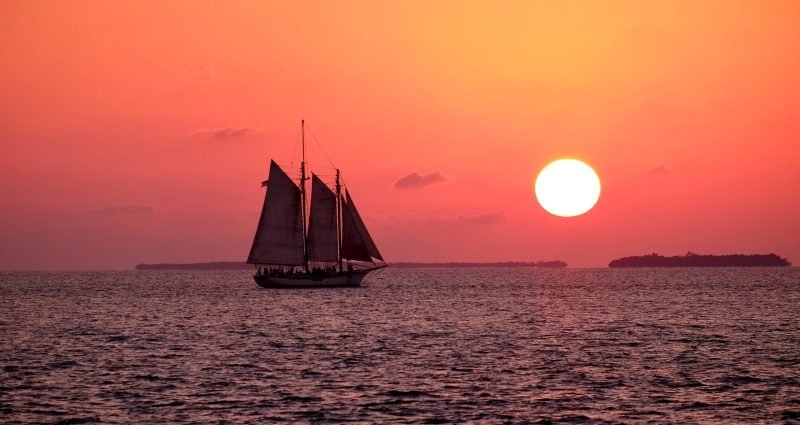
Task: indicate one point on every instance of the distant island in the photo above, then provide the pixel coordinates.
(696, 260)
(460, 265)
(236, 265)
(216, 265)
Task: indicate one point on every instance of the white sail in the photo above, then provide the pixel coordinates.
(322, 235)
(279, 236)
(357, 244)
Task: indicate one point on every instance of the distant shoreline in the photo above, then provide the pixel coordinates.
(696, 260)
(235, 265)
(465, 265)
(214, 265)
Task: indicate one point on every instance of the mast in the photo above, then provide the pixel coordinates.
(339, 220)
(303, 192)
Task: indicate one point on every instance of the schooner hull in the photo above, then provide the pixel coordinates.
(349, 279)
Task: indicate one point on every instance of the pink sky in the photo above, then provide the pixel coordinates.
(139, 131)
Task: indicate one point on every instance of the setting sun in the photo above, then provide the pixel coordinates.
(567, 188)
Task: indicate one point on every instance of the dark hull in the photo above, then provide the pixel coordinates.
(347, 279)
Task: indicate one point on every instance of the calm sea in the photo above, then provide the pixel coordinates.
(412, 346)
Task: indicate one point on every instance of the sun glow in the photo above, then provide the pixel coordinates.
(567, 187)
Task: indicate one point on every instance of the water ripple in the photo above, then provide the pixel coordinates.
(413, 346)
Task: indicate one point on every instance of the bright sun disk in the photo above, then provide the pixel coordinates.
(567, 187)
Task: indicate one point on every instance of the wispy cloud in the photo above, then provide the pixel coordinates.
(204, 73)
(660, 170)
(122, 210)
(483, 218)
(223, 133)
(416, 180)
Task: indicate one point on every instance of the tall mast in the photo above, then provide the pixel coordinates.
(339, 220)
(303, 192)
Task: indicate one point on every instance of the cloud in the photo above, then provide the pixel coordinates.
(122, 210)
(416, 180)
(11, 171)
(223, 133)
(204, 73)
(484, 218)
(489, 217)
(660, 170)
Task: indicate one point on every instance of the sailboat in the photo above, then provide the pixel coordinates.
(324, 245)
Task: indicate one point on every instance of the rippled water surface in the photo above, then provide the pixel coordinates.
(412, 346)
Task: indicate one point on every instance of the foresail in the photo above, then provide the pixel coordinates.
(357, 244)
(322, 237)
(279, 236)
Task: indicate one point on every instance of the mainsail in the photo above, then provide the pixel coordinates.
(357, 244)
(279, 236)
(323, 242)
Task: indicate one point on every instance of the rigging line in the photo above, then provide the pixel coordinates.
(294, 151)
(317, 166)
(322, 165)
(314, 136)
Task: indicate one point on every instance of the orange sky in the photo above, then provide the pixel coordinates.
(139, 132)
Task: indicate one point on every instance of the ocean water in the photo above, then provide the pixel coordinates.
(411, 346)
